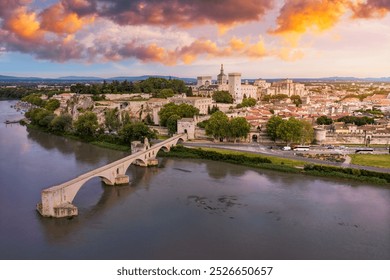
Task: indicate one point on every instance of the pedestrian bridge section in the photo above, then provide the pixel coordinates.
(56, 201)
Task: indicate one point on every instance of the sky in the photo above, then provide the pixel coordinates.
(184, 38)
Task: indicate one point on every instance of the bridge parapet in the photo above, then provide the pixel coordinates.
(56, 201)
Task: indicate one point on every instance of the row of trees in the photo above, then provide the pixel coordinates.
(359, 121)
(290, 131)
(159, 87)
(23, 90)
(87, 126)
(35, 99)
(219, 126)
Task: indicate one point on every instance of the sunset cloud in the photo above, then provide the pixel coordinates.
(300, 16)
(371, 8)
(24, 24)
(59, 20)
(174, 32)
(181, 12)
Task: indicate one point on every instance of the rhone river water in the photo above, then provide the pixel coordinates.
(185, 209)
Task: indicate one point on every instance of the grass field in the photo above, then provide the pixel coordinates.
(275, 160)
(371, 160)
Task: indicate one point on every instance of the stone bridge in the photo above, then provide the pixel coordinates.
(57, 200)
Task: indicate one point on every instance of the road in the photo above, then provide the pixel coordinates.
(262, 150)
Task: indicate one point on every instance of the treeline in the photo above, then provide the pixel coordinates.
(155, 86)
(359, 121)
(221, 127)
(19, 92)
(348, 173)
(87, 128)
(35, 99)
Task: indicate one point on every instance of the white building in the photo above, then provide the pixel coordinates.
(204, 81)
(202, 103)
(249, 91)
(235, 86)
(263, 84)
(287, 87)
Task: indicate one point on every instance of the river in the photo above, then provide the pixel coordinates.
(185, 209)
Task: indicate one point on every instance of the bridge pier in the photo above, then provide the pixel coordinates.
(122, 179)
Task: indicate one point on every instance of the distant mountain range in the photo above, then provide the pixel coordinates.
(87, 79)
(187, 80)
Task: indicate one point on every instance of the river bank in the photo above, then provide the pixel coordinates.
(249, 160)
(272, 163)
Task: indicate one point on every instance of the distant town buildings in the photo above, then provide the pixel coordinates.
(240, 90)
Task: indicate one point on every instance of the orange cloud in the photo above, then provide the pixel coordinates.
(236, 44)
(24, 24)
(299, 16)
(256, 50)
(58, 20)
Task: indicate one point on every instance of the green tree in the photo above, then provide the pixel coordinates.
(212, 110)
(167, 111)
(34, 99)
(111, 119)
(182, 110)
(86, 125)
(307, 133)
(45, 118)
(272, 127)
(61, 123)
(125, 118)
(324, 120)
(52, 105)
(296, 99)
(238, 128)
(172, 124)
(247, 102)
(290, 131)
(222, 97)
(40, 116)
(136, 131)
(218, 125)
(165, 93)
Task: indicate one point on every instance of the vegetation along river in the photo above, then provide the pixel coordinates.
(185, 209)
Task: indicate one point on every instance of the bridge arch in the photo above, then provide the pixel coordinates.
(179, 141)
(164, 149)
(72, 191)
(138, 161)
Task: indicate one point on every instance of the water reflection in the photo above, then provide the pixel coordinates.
(83, 152)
